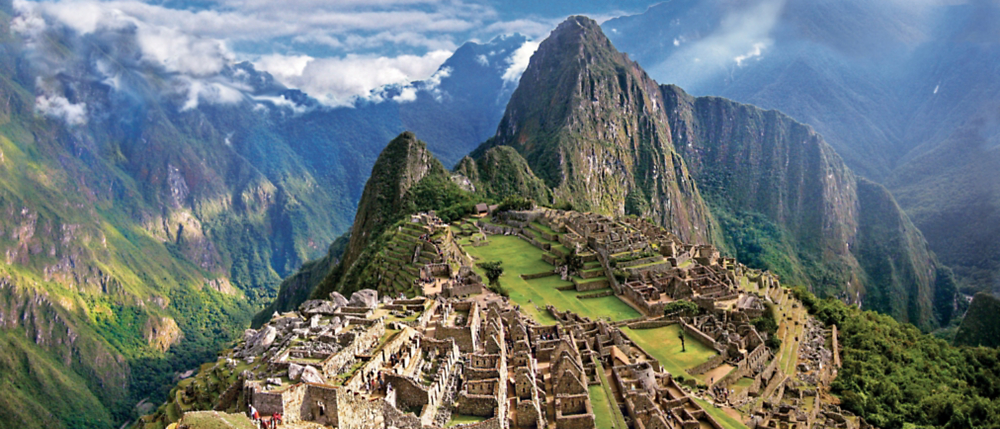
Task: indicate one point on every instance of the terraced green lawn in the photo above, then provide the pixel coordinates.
(727, 421)
(520, 257)
(602, 408)
(461, 419)
(665, 347)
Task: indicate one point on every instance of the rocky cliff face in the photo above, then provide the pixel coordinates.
(607, 138)
(590, 123)
(843, 235)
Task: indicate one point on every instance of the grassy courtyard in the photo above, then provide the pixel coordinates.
(520, 257)
(665, 347)
(461, 419)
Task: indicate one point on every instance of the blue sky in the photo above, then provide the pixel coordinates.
(333, 50)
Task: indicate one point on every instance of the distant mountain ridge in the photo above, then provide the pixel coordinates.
(146, 222)
(587, 124)
(904, 91)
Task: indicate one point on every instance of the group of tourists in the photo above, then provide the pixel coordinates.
(264, 423)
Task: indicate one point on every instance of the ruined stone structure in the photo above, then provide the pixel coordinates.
(414, 363)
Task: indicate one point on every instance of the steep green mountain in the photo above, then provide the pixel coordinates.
(897, 377)
(788, 202)
(501, 172)
(951, 193)
(780, 197)
(980, 327)
(904, 91)
(406, 179)
(590, 124)
(607, 138)
(149, 213)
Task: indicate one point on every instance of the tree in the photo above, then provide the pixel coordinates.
(516, 203)
(494, 269)
(685, 307)
(573, 262)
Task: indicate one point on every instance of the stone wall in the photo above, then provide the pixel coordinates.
(596, 295)
(476, 405)
(394, 418)
(358, 412)
(594, 285)
(708, 365)
(652, 324)
(363, 341)
(464, 336)
(409, 394)
(319, 405)
(700, 336)
(574, 412)
(538, 275)
(266, 402)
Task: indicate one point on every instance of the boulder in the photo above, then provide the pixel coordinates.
(295, 371)
(367, 298)
(264, 338)
(312, 375)
(338, 299)
(249, 334)
(317, 306)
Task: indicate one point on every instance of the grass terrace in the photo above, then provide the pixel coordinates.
(462, 419)
(216, 420)
(665, 347)
(520, 257)
(725, 419)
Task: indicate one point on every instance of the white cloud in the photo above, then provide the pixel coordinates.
(212, 92)
(58, 107)
(408, 94)
(518, 62)
(335, 51)
(753, 53)
(178, 52)
(339, 81)
(482, 60)
(744, 33)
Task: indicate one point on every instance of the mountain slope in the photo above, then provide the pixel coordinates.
(979, 327)
(150, 213)
(607, 138)
(590, 124)
(846, 235)
(501, 172)
(899, 89)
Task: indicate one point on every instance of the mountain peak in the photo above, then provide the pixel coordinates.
(587, 121)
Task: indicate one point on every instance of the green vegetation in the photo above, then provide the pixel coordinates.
(516, 203)
(980, 327)
(606, 411)
(894, 375)
(502, 174)
(462, 419)
(682, 307)
(768, 324)
(520, 257)
(493, 270)
(215, 420)
(727, 421)
(665, 346)
(603, 416)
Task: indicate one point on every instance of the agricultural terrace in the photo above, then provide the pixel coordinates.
(520, 257)
(665, 346)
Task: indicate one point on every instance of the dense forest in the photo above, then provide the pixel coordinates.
(897, 377)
